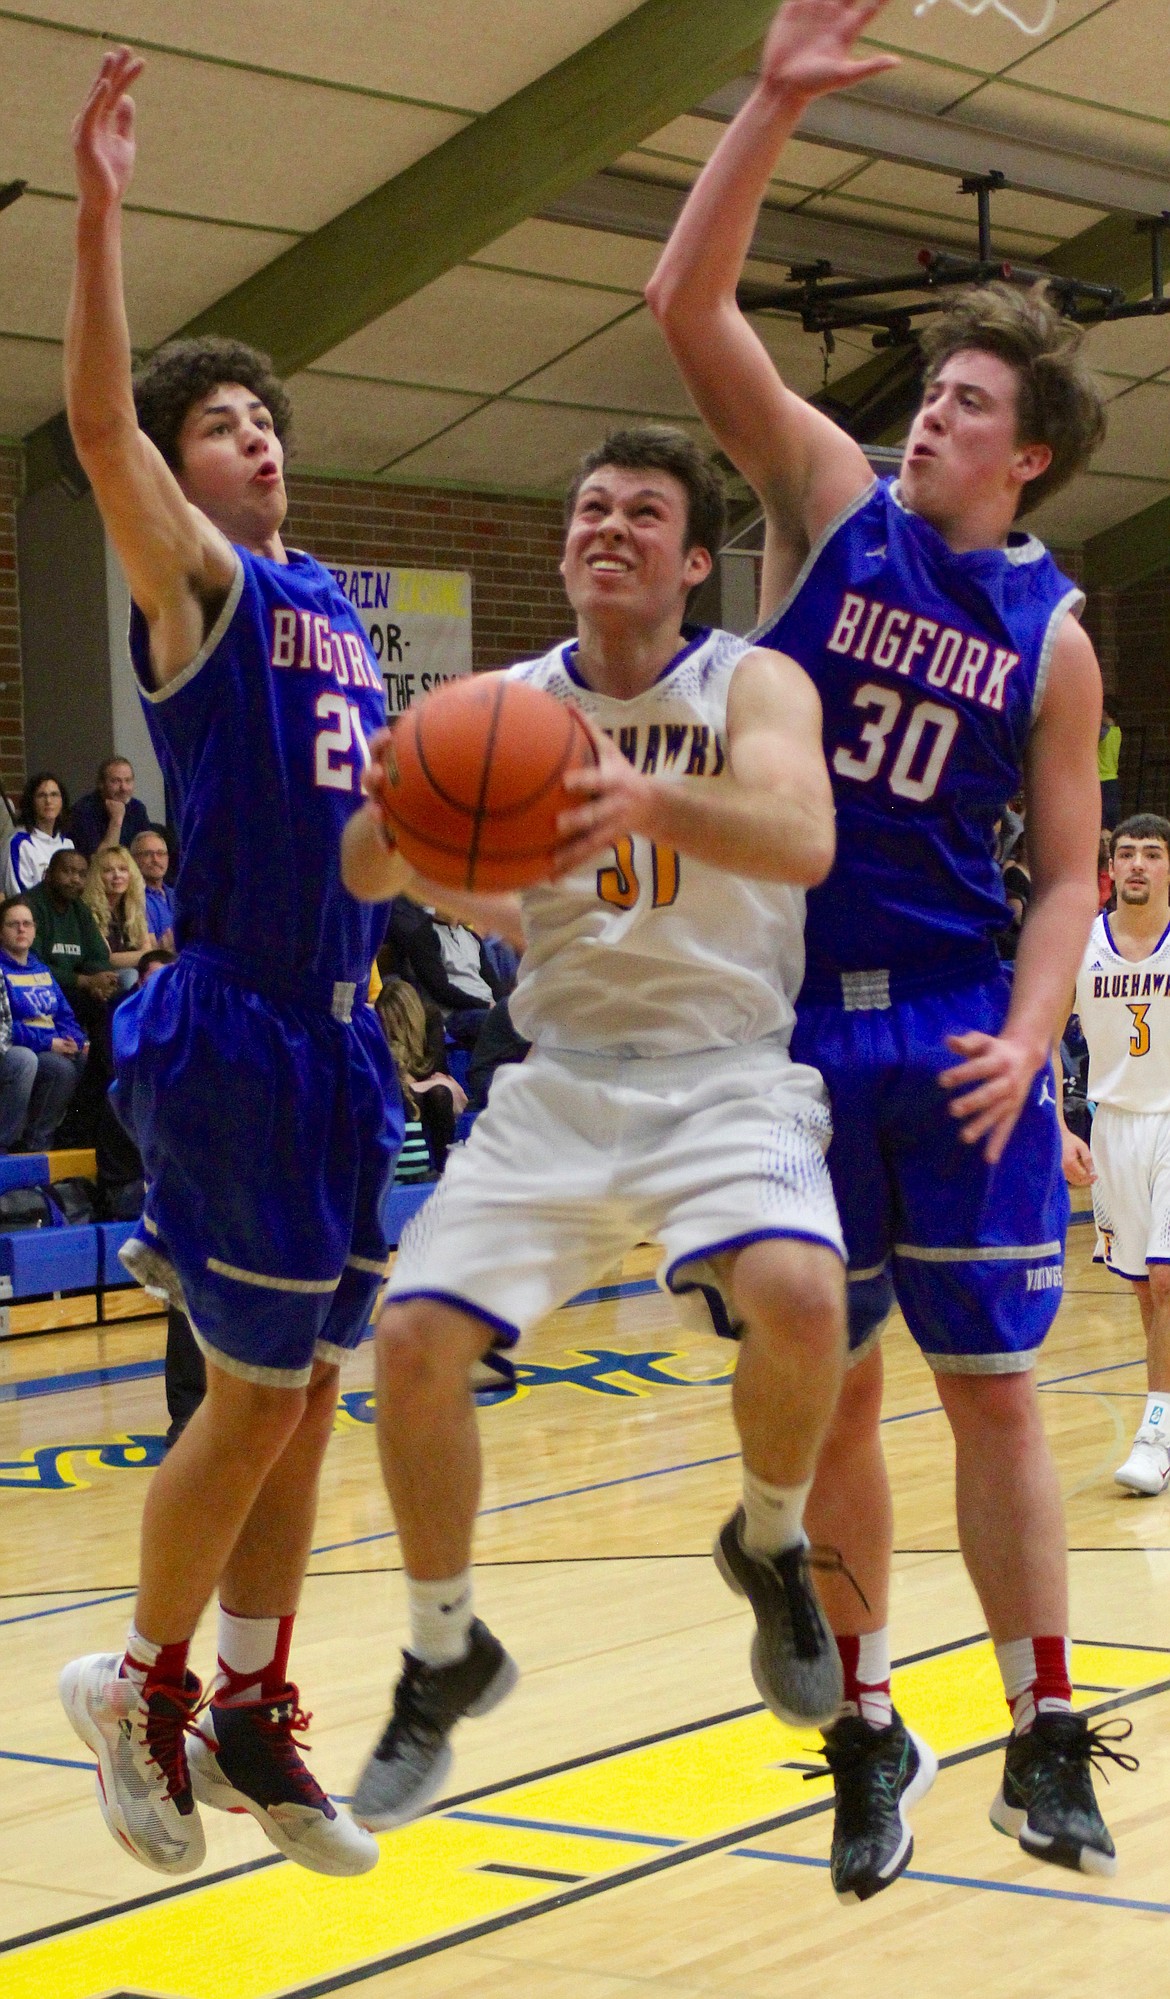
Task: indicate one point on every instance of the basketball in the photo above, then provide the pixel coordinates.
(473, 782)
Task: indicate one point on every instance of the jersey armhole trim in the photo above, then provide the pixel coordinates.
(181, 680)
(818, 548)
(1072, 603)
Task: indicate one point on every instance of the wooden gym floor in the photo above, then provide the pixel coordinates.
(630, 1825)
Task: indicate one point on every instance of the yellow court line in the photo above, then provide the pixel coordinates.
(280, 1930)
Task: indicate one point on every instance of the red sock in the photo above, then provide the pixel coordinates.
(153, 1665)
(1035, 1678)
(865, 1663)
(253, 1658)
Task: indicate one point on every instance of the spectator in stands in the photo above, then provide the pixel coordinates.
(68, 940)
(496, 1044)
(432, 1100)
(18, 1073)
(44, 808)
(447, 962)
(43, 1025)
(110, 815)
(115, 894)
(1108, 765)
(153, 856)
(1017, 886)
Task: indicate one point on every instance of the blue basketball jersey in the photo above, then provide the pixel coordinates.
(262, 741)
(930, 666)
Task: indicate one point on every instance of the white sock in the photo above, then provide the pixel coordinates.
(773, 1515)
(140, 1655)
(440, 1618)
(1157, 1416)
(247, 1648)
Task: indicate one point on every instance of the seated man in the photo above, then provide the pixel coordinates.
(109, 815)
(43, 1026)
(153, 856)
(68, 940)
(447, 961)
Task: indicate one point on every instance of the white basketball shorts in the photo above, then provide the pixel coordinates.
(579, 1157)
(1131, 1194)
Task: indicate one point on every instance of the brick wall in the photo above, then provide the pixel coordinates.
(11, 701)
(511, 547)
(1134, 627)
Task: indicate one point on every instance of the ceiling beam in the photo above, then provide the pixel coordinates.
(491, 175)
(948, 146)
(627, 204)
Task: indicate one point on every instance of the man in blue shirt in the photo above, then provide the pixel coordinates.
(153, 857)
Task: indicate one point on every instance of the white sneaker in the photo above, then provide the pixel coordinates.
(245, 1759)
(142, 1782)
(1147, 1468)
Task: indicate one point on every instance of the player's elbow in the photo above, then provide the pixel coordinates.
(819, 855)
(99, 433)
(677, 303)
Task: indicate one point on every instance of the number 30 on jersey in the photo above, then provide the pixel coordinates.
(923, 746)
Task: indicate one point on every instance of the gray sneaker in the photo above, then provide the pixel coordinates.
(795, 1663)
(410, 1764)
(143, 1785)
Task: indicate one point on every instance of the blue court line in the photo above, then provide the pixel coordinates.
(1113, 1367)
(55, 1762)
(575, 1831)
(59, 1609)
(971, 1881)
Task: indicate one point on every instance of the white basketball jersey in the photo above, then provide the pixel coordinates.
(646, 951)
(1124, 1007)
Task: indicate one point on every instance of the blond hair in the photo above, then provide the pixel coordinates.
(1060, 403)
(404, 1023)
(96, 900)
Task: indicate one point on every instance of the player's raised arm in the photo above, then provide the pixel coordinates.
(804, 468)
(176, 562)
(769, 817)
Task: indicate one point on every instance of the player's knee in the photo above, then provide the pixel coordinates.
(988, 1412)
(1159, 1279)
(423, 1347)
(253, 1416)
(792, 1292)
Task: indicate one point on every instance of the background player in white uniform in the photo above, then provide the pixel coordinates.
(1123, 1000)
(659, 1101)
(946, 1155)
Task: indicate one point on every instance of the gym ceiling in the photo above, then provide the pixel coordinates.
(438, 215)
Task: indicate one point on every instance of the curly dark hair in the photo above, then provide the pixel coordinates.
(184, 371)
(1060, 403)
(656, 447)
(25, 812)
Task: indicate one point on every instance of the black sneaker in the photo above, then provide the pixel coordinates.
(246, 1759)
(1046, 1799)
(795, 1663)
(877, 1774)
(410, 1764)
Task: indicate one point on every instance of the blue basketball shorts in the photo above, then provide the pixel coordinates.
(973, 1253)
(268, 1132)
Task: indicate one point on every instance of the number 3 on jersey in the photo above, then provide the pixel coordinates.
(619, 885)
(344, 738)
(1140, 1042)
(884, 707)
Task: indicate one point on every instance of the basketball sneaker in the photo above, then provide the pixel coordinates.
(410, 1764)
(1147, 1468)
(795, 1663)
(139, 1739)
(1046, 1799)
(245, 1759)
(877, 1774)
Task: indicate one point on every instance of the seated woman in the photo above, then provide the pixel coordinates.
(45, 1034)
(116, 894)
(44, 808)
(432, 1100)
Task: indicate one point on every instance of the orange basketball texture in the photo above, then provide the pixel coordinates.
(473, 782)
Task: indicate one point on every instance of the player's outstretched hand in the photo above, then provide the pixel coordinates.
(103, 131)
(990, 1086)
(1076, 1160)
(809, 49)
(615, 800)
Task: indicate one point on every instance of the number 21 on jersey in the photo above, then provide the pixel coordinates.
(342, 751)
(620, 886)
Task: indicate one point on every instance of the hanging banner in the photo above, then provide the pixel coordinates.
(418, 622)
